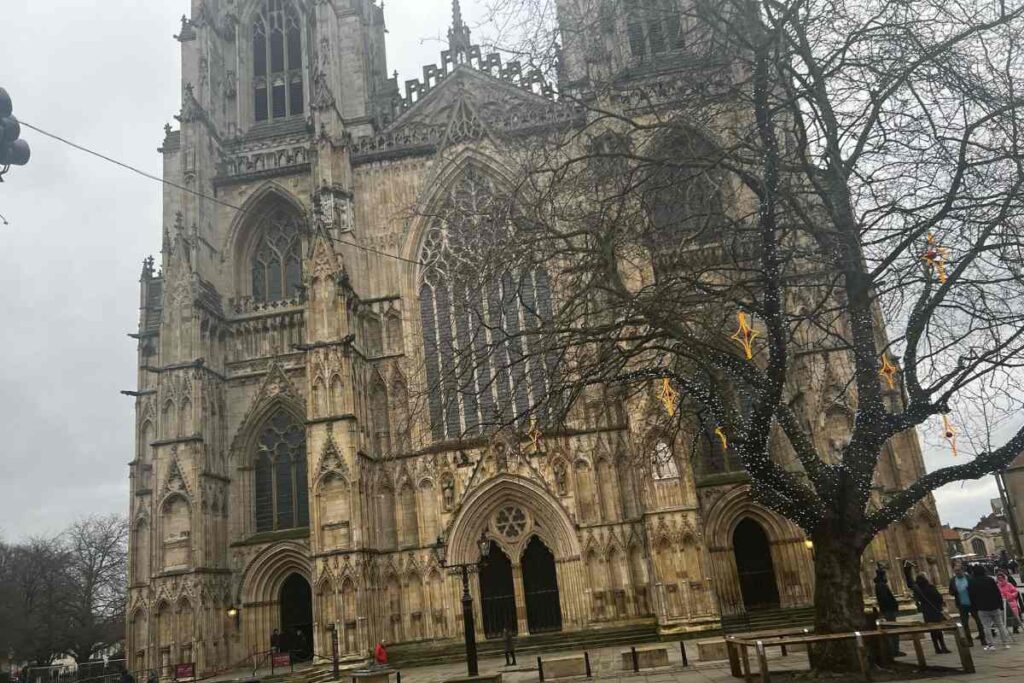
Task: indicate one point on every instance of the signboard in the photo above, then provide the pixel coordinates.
(184, 671)
(279, 660)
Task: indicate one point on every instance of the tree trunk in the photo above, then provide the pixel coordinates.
(838, 599)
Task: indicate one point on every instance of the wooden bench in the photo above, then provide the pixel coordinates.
(740, 646)
(646, 658)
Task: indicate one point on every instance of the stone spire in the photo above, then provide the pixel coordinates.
(459, 41)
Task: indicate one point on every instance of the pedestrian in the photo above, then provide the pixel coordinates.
(987, 599)
(510, 646)
(962, 599)
(126, 677)
(929, 602)
(888, 607)
(380, 655)
(152, 677)
(1010, 600)
(275, 641)
(301, 646)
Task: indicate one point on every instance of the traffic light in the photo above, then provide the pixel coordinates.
(13, 150)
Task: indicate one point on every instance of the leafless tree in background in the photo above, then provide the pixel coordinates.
(845, 174)
(65, 595)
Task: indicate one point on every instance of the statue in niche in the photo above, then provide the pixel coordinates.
(561, 479)
(448, 492)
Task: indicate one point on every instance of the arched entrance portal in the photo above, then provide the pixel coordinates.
(297, 617)
(497, 593)
(540, 583)
(754, 565)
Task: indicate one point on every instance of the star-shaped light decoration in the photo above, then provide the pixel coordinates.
(745, 335)
(935, 257)
(888, 371)
(949, 433)
(535, 437)
(721, 435)
(668, 397)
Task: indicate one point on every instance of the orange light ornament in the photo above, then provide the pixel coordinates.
(668, 397)
(935, 257)
(745, 335)
(888, 371)
(949, 433)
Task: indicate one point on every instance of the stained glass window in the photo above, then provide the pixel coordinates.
(277, 60)
(480, 366)
(277, 262)
(281, 491)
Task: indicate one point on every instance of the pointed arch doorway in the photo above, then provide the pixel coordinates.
(497, 593)
(297, 617)
(754, 564)
(540, 585)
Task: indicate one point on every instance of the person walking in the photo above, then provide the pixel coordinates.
(929, 602)
(962, 599)
(510, 646)
(987, 599)
(1011, 596)
(888, 607)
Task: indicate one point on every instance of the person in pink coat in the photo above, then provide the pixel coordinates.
(1010, 595)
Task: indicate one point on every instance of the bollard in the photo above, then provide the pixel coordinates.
(586, 662)
(636, 661)
(540, 669)
(682, 649)
(398, 676)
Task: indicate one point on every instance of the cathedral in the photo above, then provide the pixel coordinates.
(296, 469)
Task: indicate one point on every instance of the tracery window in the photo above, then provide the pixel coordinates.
(653, 27)
(483, 367)
(281, 490)
(684, 202)
(277, 60)
(277, 260)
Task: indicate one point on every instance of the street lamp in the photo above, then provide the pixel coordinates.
(468, 627)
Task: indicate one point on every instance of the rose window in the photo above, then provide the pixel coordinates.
(510, 522)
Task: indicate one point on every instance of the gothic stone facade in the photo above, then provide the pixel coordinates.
(286, 475)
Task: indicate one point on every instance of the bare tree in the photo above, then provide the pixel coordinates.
(822, 201)
(65, 594)
(34, 588)
(97, 552)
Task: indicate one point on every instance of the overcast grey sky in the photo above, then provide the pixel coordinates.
(106, 75)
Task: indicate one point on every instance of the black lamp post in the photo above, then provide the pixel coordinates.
(469, 629)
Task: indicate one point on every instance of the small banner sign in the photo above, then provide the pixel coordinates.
(280, 660)
(184, 672)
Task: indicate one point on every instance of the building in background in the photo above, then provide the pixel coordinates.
(294, 467)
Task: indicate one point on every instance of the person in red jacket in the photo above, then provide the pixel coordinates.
(380, 655)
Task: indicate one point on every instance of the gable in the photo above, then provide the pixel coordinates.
(467, 105)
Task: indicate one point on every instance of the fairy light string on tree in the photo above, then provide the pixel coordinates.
(745, 335)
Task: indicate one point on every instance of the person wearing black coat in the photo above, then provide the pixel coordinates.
(985, 596)
(929, 602)
(888, 607)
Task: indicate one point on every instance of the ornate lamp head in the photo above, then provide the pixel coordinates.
(485, 545)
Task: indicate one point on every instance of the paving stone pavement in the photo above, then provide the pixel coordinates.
(606, 665)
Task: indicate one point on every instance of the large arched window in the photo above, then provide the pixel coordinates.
(277, 60)
(683, 198)
(481, 368)
(277, 259)
(281, 490)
